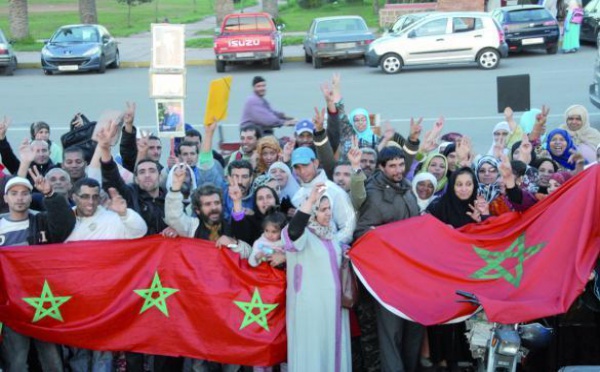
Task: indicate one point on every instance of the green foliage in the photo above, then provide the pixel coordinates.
(201, 42)
(309, 4)
(299, 19)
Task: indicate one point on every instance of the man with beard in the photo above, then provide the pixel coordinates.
(342, 175)
(389, 199)
(23, 227)
(207, 203)
(259, 112)
(368, 161)
(94, 222)
(249, 137)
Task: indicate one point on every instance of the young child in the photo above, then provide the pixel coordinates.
(269, 247)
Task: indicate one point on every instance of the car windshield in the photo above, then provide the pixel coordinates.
(529, 15)
(76, 34)
(243, 24)
(341, 25)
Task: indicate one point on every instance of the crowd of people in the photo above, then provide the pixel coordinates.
(296, 204)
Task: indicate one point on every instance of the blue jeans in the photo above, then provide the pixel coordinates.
(84, 360)
(15, 349)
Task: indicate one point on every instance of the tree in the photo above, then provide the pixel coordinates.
(222, 8)
(131, 4)
(270, 6)
(19, 19)
(87, 11)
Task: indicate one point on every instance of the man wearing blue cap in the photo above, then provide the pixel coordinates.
(306, 167)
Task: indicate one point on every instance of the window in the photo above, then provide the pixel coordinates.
(529, 15)
(76, 34)
(341, 25)
(592, 6)
(432, 28)
(466, 24)
(237, 24)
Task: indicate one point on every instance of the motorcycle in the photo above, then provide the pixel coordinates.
(501, 347)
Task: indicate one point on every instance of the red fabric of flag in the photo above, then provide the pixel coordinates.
(177, 297)
(520, 266)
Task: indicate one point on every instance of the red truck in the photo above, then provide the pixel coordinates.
(247, 37)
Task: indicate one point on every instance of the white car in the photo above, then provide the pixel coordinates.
(441, 38)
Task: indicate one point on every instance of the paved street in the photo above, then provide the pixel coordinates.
(465, 95)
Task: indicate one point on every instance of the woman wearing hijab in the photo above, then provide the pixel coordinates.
(450, 153)
(561, 148)
(546, 168)
(423, 186)
(458, 207)
(317, 324)
(287, 186)
(248, 226)
(437, 164)
(572, 27)
(500, 133)
(585, 138)
(361, 125)
(268, 151)
(487, 174)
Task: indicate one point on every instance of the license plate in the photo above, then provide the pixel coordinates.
(245, 55)
(535, 40)
(344, 45)
(68, 68)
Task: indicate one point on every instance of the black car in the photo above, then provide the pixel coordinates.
(591, 22)
(528, 27)
(80, 48)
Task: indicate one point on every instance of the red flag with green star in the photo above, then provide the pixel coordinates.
(176, 297)
(520, 266)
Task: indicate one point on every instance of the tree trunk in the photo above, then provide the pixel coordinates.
(19, 19)
(222, 8)
(376, 7)
(87, 12)
(270, 6)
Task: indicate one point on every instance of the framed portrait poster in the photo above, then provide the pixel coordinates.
(167, 85)
(169, 117)
(168, 47)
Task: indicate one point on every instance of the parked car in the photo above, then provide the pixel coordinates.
(248, 37)
(528, 27)
(80, 48)
(591, 22)
(441, 38)
(595, 86)
(8, 59)
(343, 37)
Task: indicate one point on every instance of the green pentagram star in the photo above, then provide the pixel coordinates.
(248, 309)
(47, 297)
(494, 260)
(159, 301)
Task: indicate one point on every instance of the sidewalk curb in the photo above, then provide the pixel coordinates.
(198, 62)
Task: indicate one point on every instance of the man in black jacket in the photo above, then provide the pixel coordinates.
(21, 226)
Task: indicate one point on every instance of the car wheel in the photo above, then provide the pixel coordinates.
(47, 72)
(102, 67)
(391, 63)
(220, 65)
(553, 49)
(317, 62)
(117, 62)
(275, 63)
(307, 58)
(488, 59)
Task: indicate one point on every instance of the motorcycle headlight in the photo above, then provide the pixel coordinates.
(46, 52)
(91, 52)
(508, 341)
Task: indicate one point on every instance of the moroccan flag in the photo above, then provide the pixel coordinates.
(520, 266)
(177, 297)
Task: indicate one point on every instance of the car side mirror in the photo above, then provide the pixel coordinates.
(217, 31)
(105, 39)
(412, 34)
(281, 26)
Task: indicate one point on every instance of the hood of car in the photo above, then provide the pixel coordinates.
(69, 49)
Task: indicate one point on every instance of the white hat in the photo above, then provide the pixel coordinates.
(17, 181)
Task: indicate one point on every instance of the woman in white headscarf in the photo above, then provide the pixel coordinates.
(585, 138)
(501, 133)
(287, 186)
(423, 186)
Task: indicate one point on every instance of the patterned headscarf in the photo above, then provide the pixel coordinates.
(491, 191)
